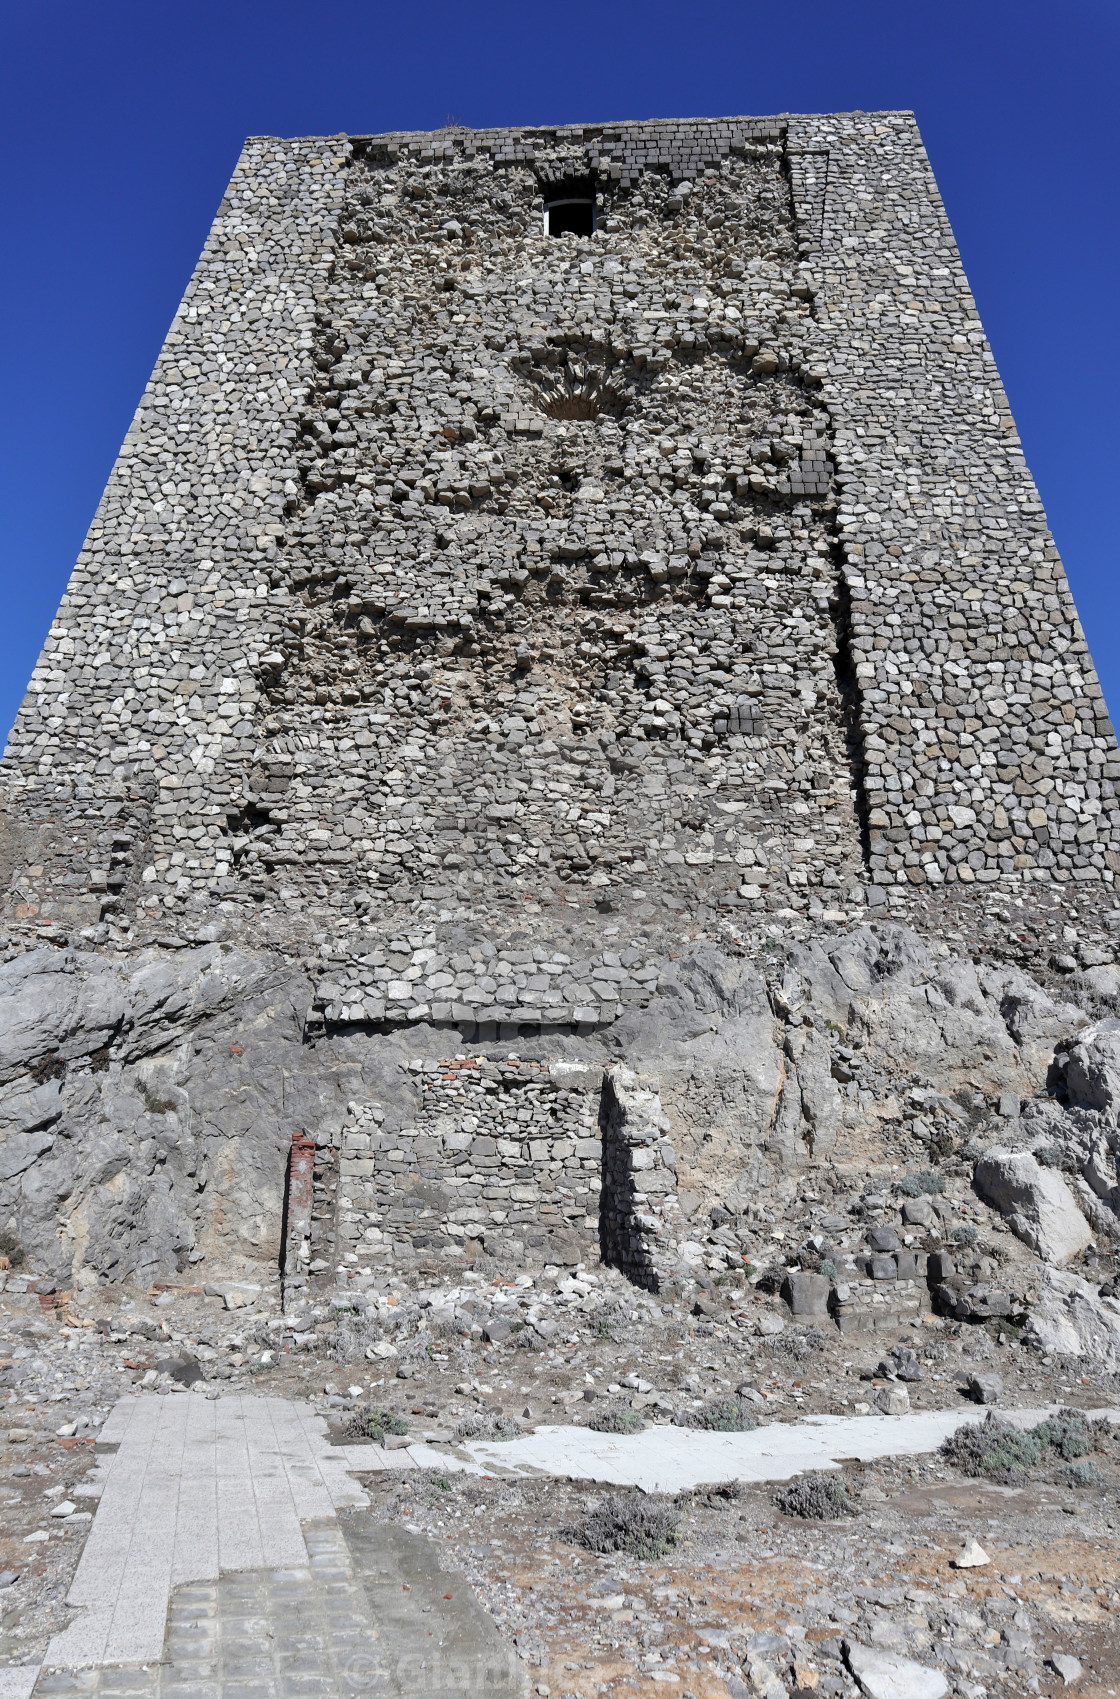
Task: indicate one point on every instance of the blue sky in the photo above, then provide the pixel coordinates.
(121, 123)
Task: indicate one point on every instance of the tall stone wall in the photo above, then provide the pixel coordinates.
(988, 750)
(702, 552)
(488, 639)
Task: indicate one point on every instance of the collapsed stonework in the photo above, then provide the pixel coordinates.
(591, 729)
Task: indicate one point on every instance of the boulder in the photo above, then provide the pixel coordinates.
(807, 1294)
(985, 1388)
(1037, 1203)
(1093, 1069)
(892, 1400)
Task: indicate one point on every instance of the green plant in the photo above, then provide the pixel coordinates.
(721, 1416)
(1066, 1433)
(999, 1452)
(484, 1424)
(818, 1496)
(367, 1423)
(914, 1185)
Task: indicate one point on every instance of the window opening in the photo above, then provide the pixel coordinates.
(570, 217)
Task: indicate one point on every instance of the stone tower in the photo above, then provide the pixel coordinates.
(537, 555)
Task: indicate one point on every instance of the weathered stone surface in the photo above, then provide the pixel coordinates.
(524, 654)
(1093, 1069)
(1036, 1202)
(807, 1294)
(1072, 1320)
(886, 1675)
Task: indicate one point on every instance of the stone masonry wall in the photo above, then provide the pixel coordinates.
(505, 1158)
(141, 710)
(421, 507)
(458, 587)
(987, 745)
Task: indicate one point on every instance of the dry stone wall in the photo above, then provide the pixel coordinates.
(505, 1156)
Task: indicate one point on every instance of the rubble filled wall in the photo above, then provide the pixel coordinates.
(504, 1156)
(400, 449)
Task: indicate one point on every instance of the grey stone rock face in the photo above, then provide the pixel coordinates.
(1036, 1202)
(1093, 1069)
(1070, 1319)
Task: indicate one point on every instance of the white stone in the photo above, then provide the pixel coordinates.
(1071, 1320)
(1036, 1201)
(885, 1675)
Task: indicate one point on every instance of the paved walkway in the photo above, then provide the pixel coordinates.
(216, 1568)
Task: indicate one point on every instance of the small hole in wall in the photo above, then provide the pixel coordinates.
(570, 218)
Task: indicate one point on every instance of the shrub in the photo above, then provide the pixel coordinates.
(629, 1522)
(619, 1420)
(721, 1416)
(484, 1424)
(1067, 1433)
(373, 1424)
(914, 1185)
(998, 1452)
(965, 1233)
(818, 1496)
(1081, 1475)
(797, 1342)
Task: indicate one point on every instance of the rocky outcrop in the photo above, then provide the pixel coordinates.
(160, 1129)
(148, 1104)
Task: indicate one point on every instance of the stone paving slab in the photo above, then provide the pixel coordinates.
(18, 1681)
(196, 1488)
(216, 1566)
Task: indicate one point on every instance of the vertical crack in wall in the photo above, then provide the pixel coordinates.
(848, 687)
(808, 171)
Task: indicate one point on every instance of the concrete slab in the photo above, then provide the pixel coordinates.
(672, 1460)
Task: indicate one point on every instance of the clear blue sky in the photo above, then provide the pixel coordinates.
(121, 124)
